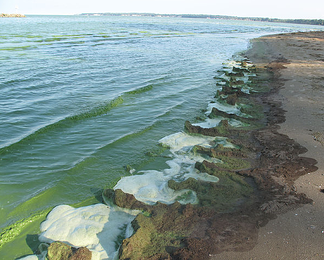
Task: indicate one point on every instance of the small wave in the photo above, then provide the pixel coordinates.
(139, 90)
(128, 136)
(67, 121)
(18, 48)
(97, 111)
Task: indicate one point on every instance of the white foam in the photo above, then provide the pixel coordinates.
(230, 109)
(180, 141)
(210, 123)
(77, 226)
(30, 257)
(152, 186)
(95, 227)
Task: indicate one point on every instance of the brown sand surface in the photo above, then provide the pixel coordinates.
(299, 233)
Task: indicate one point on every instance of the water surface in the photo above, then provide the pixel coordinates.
(83, 97)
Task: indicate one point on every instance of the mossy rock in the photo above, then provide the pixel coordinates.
(221, 151)
(158, 235)
(231, 163)
(223, 196)
(59, 251)
(251, 108)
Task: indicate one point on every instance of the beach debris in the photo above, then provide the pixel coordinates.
(319, 137)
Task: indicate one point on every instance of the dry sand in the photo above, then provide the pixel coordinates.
(298, 234)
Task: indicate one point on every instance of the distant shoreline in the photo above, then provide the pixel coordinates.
(12, 15)
(205, 16)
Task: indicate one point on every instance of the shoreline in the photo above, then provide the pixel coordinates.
(266, 191)
(278, 161)
(299, 233)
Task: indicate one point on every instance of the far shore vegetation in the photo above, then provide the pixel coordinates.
(11, 15)
(203, 16)
(260, 19)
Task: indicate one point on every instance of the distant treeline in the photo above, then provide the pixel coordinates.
(11, 15)
(260, 19)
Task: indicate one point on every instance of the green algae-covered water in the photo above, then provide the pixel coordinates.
(85, 99)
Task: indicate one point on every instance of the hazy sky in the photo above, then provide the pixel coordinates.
(310, 9)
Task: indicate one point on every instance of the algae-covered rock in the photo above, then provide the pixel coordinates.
(235, 74)
(220, 151)
(235, 82)
(124, 200)
(223, 196)
(240, 69)
(62, 251)
(232, 99)
(223, 129)
(82, 253)
(255, 175)
(187, 232)
(59, 251)
(158, 235)
(228, 90)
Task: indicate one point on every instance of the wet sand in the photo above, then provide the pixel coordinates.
(299, 233)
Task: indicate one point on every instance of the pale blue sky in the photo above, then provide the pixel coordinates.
(311, 9)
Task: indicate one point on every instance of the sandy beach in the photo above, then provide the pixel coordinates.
(298, 233)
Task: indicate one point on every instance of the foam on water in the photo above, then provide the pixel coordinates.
(182, 141)
(30, 257)
(96, 227)
(208, 123)
(223, 107)
(78, 226)
(152, 185)
(213, 122)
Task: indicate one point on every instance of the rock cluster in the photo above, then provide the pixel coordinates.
(255, 178)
